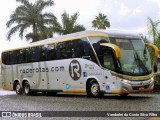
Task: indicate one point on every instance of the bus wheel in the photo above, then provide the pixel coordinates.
(18, 89)
(94, 89)
(26, 89)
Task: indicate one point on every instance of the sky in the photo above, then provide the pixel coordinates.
(130, 15)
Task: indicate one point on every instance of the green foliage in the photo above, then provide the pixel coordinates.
(152, 30)
(101, 22)
(153, 33)
(29, 15)
(69, 24)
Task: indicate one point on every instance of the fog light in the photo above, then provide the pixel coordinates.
(125, 89)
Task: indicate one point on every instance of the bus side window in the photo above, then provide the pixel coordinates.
(108, 59)
(13, 57)
(44, 53)
(51, 52)
(59, 49)
(69, 49)
(35, 54)
(24, 58)
(28, 55)
(78, 49)
(21, 60)
(88, 51)
(6, 58)
(64, 50)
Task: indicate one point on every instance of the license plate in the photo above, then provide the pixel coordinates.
(141, 88)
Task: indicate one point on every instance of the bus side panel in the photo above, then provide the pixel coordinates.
(111, 83)
(41, 76)
(29, 72)
(77, 73)
(75, 81)
(7, 77)
(56, 75)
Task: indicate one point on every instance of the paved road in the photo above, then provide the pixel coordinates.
(9, 101)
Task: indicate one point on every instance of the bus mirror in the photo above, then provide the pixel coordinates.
(114, 47)
(155, 69)
(153, 47)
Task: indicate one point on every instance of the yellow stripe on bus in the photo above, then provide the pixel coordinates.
(75, 91)
(127, 76)
(7, 88)
(130, 91)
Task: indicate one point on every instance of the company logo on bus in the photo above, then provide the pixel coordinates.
(75, 70)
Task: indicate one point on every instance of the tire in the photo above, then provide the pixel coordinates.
(26, 89)
(18, 89)
(94, 89)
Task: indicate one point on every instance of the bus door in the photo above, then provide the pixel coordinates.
(108, 61)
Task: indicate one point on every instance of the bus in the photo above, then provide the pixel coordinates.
(92, 62)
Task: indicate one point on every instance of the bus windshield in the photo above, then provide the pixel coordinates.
(135, 58)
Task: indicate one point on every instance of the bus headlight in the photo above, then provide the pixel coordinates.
(151, 80)
(126, 81)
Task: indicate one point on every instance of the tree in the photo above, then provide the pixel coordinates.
(153, 32)
(29, 15)
(69, 24)
(152, 29)
(101, 22)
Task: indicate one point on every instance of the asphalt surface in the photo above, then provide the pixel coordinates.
(9, 101)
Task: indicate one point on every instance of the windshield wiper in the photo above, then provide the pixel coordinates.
(133, 66)
(140, 62)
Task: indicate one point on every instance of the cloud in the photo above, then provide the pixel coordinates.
(131, 14)
(122, 14)
(124, 10)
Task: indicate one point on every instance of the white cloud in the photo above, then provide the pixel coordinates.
(124, 10)
(136, 11)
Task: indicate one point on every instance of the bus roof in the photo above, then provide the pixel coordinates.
(87, 33)
(107, 33)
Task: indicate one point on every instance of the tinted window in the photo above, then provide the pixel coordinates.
(35, 54)
(48, 52)
(13, 57)
(5, 58)
(28, 55)
(87, 50)
(108, 59)
(79, 48)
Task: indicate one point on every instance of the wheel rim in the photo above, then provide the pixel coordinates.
(95, 89)
(18, 88)
(26, 89)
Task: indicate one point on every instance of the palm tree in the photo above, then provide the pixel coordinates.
(101, 22)
(69, 24)
(152, 29)
(29, 15)
(153, 32)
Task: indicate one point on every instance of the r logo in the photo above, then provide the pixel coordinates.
(75, 70)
